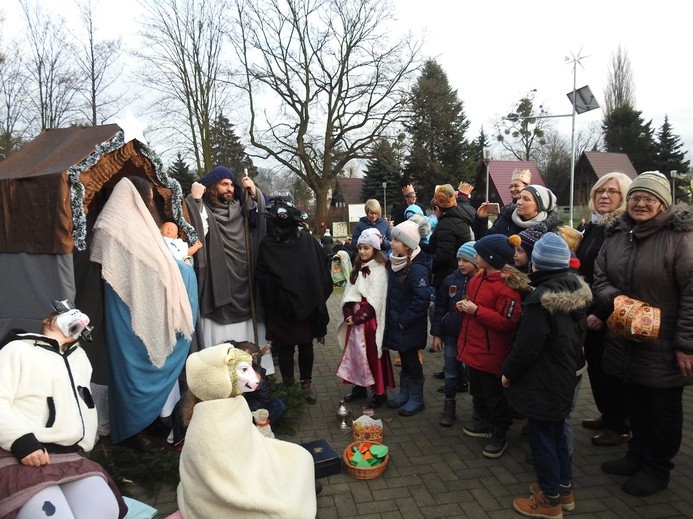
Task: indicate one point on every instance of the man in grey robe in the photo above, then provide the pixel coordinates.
(228, 216)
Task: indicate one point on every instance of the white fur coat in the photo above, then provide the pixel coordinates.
(374, 288)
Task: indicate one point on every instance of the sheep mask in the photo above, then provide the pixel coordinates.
(220, 371)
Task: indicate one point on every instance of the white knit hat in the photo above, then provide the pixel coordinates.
(408, 233)
(371, 237)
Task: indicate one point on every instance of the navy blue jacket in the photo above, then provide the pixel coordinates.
(447, 320)
(364, 223)
(408, 297)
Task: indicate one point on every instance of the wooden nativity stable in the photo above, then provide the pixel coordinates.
(51, 192)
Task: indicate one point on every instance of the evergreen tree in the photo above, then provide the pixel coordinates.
(439, 153)
(227, 149)
(181, 172)
(625, 132)
(671, 158)
(9, 144)
(384, 166)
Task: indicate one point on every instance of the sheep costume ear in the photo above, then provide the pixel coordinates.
(211, 372)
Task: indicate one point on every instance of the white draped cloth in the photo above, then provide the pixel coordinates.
(228, 468)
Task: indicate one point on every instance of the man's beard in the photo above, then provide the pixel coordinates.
(222, 199)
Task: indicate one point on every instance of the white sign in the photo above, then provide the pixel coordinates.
(340, 229)
(356, 212)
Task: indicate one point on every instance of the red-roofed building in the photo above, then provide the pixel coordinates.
(592, 166)
(500, 172)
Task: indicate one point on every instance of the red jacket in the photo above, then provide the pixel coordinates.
(487, 336)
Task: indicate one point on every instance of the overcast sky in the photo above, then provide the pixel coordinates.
(496, 52)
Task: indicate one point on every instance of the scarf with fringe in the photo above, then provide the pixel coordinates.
(136, 263)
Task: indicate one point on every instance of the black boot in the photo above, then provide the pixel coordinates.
(357, 393)
(377, 401)
(447, 417)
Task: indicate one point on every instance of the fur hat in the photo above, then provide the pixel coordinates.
(211, 372)
(544, 198)
(371, 237)
(408, 190)
(422, 222)
(551, 252)
(218, 174)
(530, 236)
(497, 249)
(444, 196)
(408, 233)
(523, 175)
(655, 183)
(467, 252)
(464, 189)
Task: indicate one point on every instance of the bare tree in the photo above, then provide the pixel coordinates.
(522, 132)
(13, 103)
(323, 80)
(619, 88)
(182, 57)
(98, 63)
(53, 79)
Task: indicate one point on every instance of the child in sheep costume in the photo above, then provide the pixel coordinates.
(228, 468)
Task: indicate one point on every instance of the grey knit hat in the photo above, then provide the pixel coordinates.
(655, 183)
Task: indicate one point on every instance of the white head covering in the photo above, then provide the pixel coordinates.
(371, 237)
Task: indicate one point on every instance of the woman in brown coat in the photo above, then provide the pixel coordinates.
(648, 256)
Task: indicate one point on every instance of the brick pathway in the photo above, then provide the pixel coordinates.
(438, 472)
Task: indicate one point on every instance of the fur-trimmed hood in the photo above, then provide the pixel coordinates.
(678, 218)
(515, 279)
(561, 292)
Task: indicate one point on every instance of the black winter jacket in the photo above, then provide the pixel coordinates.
(542, 363)
(450, 233)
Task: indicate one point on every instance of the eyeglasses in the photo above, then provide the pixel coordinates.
(647, 200)
(608, 192)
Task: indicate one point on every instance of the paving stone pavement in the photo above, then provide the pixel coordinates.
(436, 471)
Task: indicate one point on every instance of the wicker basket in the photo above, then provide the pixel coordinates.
(363, 472)
(368, 434)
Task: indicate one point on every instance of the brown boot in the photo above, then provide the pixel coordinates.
(565, 499)
(538, 505)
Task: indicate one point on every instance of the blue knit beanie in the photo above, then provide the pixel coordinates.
(551, 252)
(218, 174)
(467, 252)
(496, 249)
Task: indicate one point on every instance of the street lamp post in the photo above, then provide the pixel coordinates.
(385, 200)
(673, 174)
(488, 157)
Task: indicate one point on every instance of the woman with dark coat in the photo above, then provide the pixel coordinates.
(448, 236)
(608, 202)
(372, 220)
(647, 255)
(535, 205)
